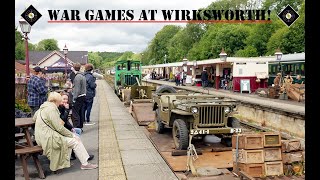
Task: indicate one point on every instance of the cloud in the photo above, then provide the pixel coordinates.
(104, 36)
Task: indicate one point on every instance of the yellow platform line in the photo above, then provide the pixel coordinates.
(110, 162)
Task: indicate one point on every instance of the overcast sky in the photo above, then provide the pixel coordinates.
(103, 36)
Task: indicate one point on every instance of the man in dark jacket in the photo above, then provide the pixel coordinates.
(204, 78)
(91, 92)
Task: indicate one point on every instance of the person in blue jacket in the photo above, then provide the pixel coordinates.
(91, 92)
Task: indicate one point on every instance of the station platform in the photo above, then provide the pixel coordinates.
(119, 145)
(289, 106)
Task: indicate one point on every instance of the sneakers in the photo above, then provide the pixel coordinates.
(89, 123)
(89, 166)
(90, 157)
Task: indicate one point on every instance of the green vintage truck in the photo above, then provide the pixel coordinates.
(194, 114)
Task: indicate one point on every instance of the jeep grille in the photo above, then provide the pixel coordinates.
(211, 116)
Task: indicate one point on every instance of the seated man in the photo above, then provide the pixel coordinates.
(55, 140)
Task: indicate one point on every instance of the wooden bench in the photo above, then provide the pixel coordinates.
(24, 154)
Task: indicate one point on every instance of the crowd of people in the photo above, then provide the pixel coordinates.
(58, 137)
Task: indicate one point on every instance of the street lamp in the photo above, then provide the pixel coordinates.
(26, 28)
(223, 55)
(185, 61)
(65, 51)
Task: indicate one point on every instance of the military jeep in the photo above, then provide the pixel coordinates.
(196, 115)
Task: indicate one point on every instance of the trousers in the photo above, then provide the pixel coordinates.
(78, 148)
(87, 108)
(77, 115)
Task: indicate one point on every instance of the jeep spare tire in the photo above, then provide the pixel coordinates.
(180, 134)
(166, 89)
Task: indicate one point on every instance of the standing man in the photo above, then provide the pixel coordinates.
(78, 96)
(91, 92)
(37, 91)
(204, 78)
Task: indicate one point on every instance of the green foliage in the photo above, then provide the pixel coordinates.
(22, 105)
(230, 37)
(248, 51)
(126, 55)
(158, 46)
(205, 41)
(183, 41)
(110, 56)
(47, 45)
(95, 59)
(276, 40)
(18, 37)
(20, 49)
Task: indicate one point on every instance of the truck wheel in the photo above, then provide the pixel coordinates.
(226, 141)
(180, 134)
(233, 122)
(165, 89)
(159, 125)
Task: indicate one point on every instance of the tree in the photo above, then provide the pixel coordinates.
(294, 40)
(47, 45)
(183, 41)
(276, 41)
(20, 49)
(230, 37)
(126, 55)
(95, 59)
(248, 51)
(18, 37)
(277, 5)
(158, 46)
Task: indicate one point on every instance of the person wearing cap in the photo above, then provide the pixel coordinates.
(91, 92)
(37, 91)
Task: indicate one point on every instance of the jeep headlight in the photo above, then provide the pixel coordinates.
(227, 109)
(194, 110)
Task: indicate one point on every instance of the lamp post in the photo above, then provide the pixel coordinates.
(26, 28)
(65, 51)
(278, 55)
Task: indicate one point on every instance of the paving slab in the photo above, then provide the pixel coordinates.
(130, 135)
(141, 156)
(133, 144)
(149, 171)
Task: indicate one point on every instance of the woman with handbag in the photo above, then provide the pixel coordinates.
(56, 140)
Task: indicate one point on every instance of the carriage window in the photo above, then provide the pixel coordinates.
(122, 66)
(274, 70)
(302, 69)
(135, 66)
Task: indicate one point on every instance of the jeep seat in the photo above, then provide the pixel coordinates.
(164, 100)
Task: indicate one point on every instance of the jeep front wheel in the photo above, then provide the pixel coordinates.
(180, 134)
(158, 124)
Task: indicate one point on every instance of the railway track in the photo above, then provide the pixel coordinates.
(246, 126)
